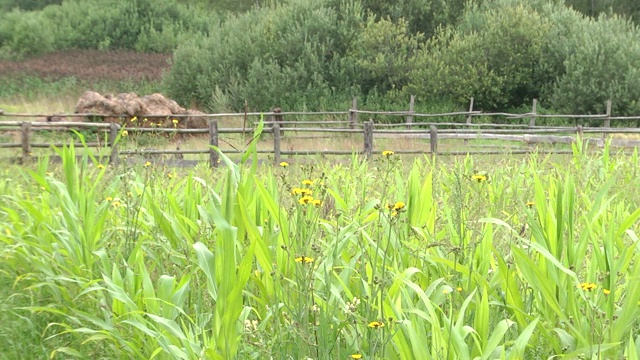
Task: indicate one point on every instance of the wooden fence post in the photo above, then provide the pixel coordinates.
(469, 118)
(470, 110)
(213, 141)
(353, 115)
(113, 135)
(411, 111)
(25, 129)
(276, 143)
(532, 120)
(607, 122)
(433, 139)
(368, 138)
(579, 135)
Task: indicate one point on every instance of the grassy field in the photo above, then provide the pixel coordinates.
(392, 258)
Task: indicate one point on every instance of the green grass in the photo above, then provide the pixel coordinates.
(150, 262)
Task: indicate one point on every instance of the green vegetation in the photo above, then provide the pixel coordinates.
(390, 259)
(315, 55)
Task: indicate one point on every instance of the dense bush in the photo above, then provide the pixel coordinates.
(604, 64)
(144, 25)
(498, 58)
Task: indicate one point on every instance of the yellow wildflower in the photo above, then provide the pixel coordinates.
(459, 289)
(284, 164)
(116, 203)
(100, 166)
(479, 177)
(304, 259)
(305, 200)
(170, 175)
(175, 121)
(394, 213)
(125, 133)
(588, 286)
(307, 182)
(398, 206)
(606, 291)
(317, 202)
(108, 198)
(376, 324)
(356, 356)
(147, 164)
(387, 153)
(530, 204)
(134, 119)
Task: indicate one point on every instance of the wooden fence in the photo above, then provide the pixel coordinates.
(341, 122)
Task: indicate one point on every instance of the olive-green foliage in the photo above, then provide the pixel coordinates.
(422, 16)
(145, 25)
(495, 56)
(601, 64)
(276, 56)
(300, 54)
(23, 34)
(29, 5)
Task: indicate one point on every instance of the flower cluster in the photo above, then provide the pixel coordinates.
(376, 324)
(396, 208)
(305, 194)
(352, 307)
(588, 286)
(479, 177)
(304, 259)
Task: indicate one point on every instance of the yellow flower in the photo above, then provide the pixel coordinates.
(284, 164)
(170, 175)
(446, 291)
(100, 166)
(305, 200)
(300, 191)
(606, 291)
(398, 206)
(304, 259)
(125, 133)
(459, 289)
(356, 356)
(479, 178)
(394, 213)
(175, 121)
(588, 286)
(116, 203)
(317, 202)
(108, 198)
(134, 119)
(530, 204)
(147, 164)
(307, 182)
(145, 119)
(387, 153)
(376, 324)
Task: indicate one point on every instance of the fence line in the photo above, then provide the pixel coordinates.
(276, 126)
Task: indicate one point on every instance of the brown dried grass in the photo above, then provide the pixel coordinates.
(91, 65)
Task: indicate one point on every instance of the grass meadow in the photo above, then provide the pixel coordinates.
(392, 258)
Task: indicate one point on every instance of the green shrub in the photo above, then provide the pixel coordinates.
(498, 60)
(24, 34)
(603, 64)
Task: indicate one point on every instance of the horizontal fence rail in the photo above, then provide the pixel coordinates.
(338, 122)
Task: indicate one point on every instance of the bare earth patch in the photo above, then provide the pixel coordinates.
(91, 65)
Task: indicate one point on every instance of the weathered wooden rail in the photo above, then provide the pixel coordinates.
(276, 123)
